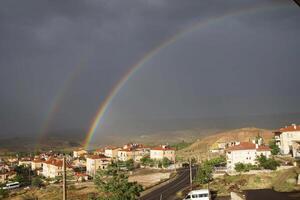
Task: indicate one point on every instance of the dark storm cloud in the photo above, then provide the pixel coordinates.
(42, 42)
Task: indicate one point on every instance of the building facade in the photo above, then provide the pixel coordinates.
(246, 153)
(163, 151)
(111, 152)
(95, 163)
(288, 140)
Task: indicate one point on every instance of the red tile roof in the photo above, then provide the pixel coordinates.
(290, 128)
(160, 148)
(55, 162)
(98, 157)
(38, 160)
(263, 148)
(248, 146)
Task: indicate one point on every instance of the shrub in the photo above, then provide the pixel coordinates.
(166, 162)
(241, 167)
(267, 163)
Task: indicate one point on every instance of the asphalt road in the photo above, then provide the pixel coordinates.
(169, 190)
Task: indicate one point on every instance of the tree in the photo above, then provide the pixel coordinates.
(166, 162)
(114, 185)
(37, 182)
(3, 193)
(129, 164)
(23, 175)
(274, 147)
(217, 161)
(266, 163)
(241, 167)
(204, 174)
(146, 161)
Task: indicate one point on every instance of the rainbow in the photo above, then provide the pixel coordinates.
(55, 105)
(133, 69)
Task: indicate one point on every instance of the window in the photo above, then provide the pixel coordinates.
(188, 197)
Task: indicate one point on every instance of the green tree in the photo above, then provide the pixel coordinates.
(204, 173)
(3, 193)
(166, 162)
(114, 185)
(274, 148)
(240, 167)
(37, 182)
(23, 175)
(145, 160)
(217, 161)
(129, 164)
(267, 163)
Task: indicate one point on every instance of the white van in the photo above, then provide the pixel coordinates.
(202, 194)
(11, 185)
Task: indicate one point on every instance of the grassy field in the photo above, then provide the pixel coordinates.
(281, 181)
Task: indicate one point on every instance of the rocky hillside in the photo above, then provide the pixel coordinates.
(200, 148)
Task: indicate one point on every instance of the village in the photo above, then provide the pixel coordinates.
(156, 163)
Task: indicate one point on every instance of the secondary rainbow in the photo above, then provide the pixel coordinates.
(55, 105)
(133, 69)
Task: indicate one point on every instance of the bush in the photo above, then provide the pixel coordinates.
(274, 148)
(129, 164)
(146, 161)
(266, 163)
(204, 174)
(241, 167)
(166, 162)
(3, 193)
(116, 185)
(37, 182)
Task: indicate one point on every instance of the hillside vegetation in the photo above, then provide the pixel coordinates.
(200, 148)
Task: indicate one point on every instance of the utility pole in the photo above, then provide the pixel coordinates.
(175, 164)
(161, 197)
(191, 175)
(64, 179)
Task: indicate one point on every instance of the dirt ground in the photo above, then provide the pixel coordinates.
(149, 177)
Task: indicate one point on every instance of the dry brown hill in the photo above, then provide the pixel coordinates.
(199, 149)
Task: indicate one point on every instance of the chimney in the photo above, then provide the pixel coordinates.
(295, 126)
(256, 146)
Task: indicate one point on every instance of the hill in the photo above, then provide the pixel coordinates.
(200, 148)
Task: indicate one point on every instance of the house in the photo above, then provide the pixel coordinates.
(53, 168)
(96, 162)
(163, 151)
(111, 152)
(79, 153)
(6, 176)
(245, 152)
(288, 140)
(133, 151)
(99, 152)
(81, 177)
(37, 164)
(25, 162)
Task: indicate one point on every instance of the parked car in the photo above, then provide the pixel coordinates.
(203, 194)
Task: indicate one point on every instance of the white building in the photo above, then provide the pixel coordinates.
(111, 152)
(96, 162)
(79, 153)
(163, 151)
(53, 168)
(37, 164)
(288, 140)
(245, 152)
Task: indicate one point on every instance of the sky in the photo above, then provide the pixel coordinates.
(60, 59)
